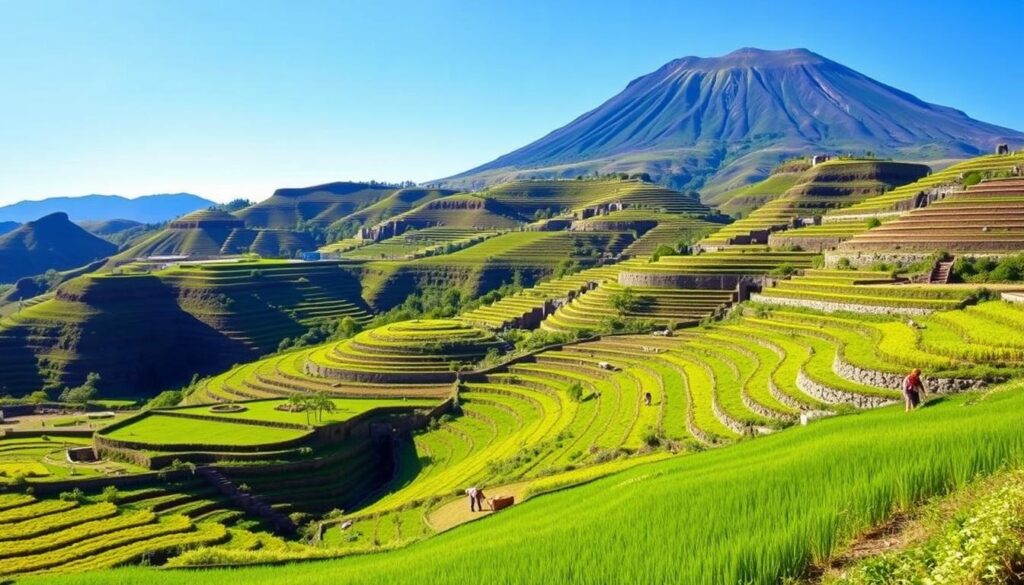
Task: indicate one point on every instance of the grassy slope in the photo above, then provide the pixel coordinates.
(780, 502)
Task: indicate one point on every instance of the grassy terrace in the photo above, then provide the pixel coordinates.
(157, 429)
(532, 248)
(830, 185)
(659, 306)
(526, 197)
(271, 411)
(988, 217)
(654, 228)
(504, 311)
(409, 351)
(42, 459)
(416, 243)
(852, 288)
(750, 260)
(904, 195)
(463, 210)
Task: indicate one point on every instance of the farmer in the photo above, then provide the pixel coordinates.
(913, 389)
(647, 398)
(476, 499)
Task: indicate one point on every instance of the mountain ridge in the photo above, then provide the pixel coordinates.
(154, 208)
(718, 122)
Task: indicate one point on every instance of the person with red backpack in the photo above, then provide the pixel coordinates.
(913, 390)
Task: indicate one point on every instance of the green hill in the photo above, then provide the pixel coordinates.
(48, 243)
(553, 197)
(321, 205)
(200, 234)
(207, 316)
(461, 211)
(396, 203)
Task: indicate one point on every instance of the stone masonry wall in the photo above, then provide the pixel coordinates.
(830, 307)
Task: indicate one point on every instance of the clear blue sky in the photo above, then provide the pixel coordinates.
(231, 99)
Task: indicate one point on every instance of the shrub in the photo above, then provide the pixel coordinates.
(110, 494)
(873, 222)
(575, 391)
(663, 250)
(971, 178)
(165, 399)
(75, 495)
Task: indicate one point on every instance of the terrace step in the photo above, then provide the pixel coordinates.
(941, 272)
(249, 502)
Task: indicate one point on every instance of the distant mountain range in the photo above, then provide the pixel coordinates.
(145, 209)
(50, 242)
(718, 123)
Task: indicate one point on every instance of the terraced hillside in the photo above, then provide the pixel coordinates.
(416, 352)
(462, 211)
(743, 200)
(987, 218)
(752, 374)
(394, 204)
(419, 243)
(906, 198)
(321, 205)
(863, 292)
(200, 234)
(529, 197)
(528, 308)
(532, 255)
(651, 228)
(205, 315)
(829, 185)
(528, 421)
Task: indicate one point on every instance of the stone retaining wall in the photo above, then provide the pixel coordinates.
(689, 281)
(834, 396)
(807, 243)
(830, 307)
(892, 380)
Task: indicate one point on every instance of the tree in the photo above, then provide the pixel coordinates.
(83, 393)
(320, 402)
(624, 301)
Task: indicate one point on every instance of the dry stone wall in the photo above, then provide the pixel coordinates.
(831, 307)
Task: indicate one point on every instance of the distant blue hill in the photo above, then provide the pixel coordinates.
(8, 226)
(146, 209)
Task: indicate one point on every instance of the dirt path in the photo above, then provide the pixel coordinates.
(456, 512)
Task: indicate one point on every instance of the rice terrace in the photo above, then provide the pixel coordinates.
(754, 319)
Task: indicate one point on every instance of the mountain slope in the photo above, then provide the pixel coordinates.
(8, 226)
(721, 122)
(51, 242)
(320, 205)
(146, 209)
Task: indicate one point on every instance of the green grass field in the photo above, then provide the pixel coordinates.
(344, 409)
(156, 430)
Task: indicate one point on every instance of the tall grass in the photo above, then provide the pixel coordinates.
(753, 513)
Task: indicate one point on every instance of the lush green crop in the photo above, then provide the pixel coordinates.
(778, 503)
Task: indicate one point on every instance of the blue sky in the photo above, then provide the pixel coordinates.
(229, 99)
